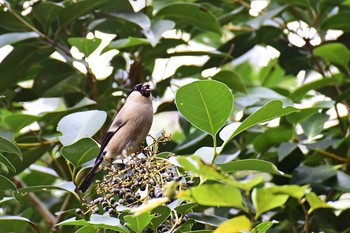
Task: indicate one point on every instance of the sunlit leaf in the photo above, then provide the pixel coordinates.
(78, 125)
(84, 45)
(214, 195)
(315, 202)
(250, 164)
(234, 225)
(206, 104)
(267, 112)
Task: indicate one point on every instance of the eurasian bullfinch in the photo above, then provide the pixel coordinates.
(127, 131)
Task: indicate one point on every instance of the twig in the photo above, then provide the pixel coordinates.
(64, 207)
(332, 155)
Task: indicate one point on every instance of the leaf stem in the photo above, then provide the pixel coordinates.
(215, 152)
(36, 144)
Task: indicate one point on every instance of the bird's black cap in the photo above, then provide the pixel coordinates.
(143, 88)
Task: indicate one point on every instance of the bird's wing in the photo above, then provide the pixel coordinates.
(116, 126)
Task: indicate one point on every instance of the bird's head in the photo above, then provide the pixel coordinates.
(143, 88)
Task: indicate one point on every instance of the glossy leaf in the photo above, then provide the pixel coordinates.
(314, 125)
(157, 29)
(78, 125)
(250, 164)
(335, 53)
(265, 200)
(17, 121)
(4, 161)
(206, 104)
(263, 227)
(231, 79)
(212, 220)
(16, 64)
(68, 186)
(214, 195)
(6, 184)
(13, 220)
(236, 224)
(337, 21)
(315, 202)
(138, 18)
(84, 45)
(139, 223)
(267, 112)
(208, 171)
(12, 38)
(192, 14)
(102, 221)
(46, 12)
(126, 43)
(76, 9)
(81, 151)
(9, 147)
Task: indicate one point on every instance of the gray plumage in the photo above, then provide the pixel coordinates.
(127, 131)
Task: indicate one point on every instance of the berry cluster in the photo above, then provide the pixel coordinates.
(137, 178)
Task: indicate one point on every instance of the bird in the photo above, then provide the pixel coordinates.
(128, 130)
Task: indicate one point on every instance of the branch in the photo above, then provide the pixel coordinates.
(332, 155)
(48, 217)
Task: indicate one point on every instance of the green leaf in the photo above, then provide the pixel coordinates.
(15, 65)
(212, 220)
(46, 12)
(236, 224)
(267, 112)
(17, 121)
(231, 79)
(208, 171)
(9, 147)
(207, 104)
(192, 14)
(67, 186)
(139, 222)
(339, 21)
(76, 9)
(335, 53)
(262, 227)
(250, 164)
(300, 92)
(14, 220)
(6, 184)
(138, 18)
(315, 202)
(72, 84)
(314, 125)
(313, 175)
(4, 161)
(78, 125)
(84, 45)
(183, 209)
(214, 195)
(157, 29)
(295, 191)
(87, 229)
(272, 137)
(14, 37)
(264, 200)
(126, 43)
(102, 221)
(81, 151)
(161, 213)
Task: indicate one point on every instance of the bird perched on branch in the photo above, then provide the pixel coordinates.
(127, 131)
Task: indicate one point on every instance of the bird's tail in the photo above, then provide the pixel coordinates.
(90, 177)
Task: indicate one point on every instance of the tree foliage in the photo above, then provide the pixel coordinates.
(255, 147)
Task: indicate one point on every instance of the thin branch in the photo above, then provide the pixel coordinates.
(332, 155)
(48, 217)
(36, 144)
(64, 207)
